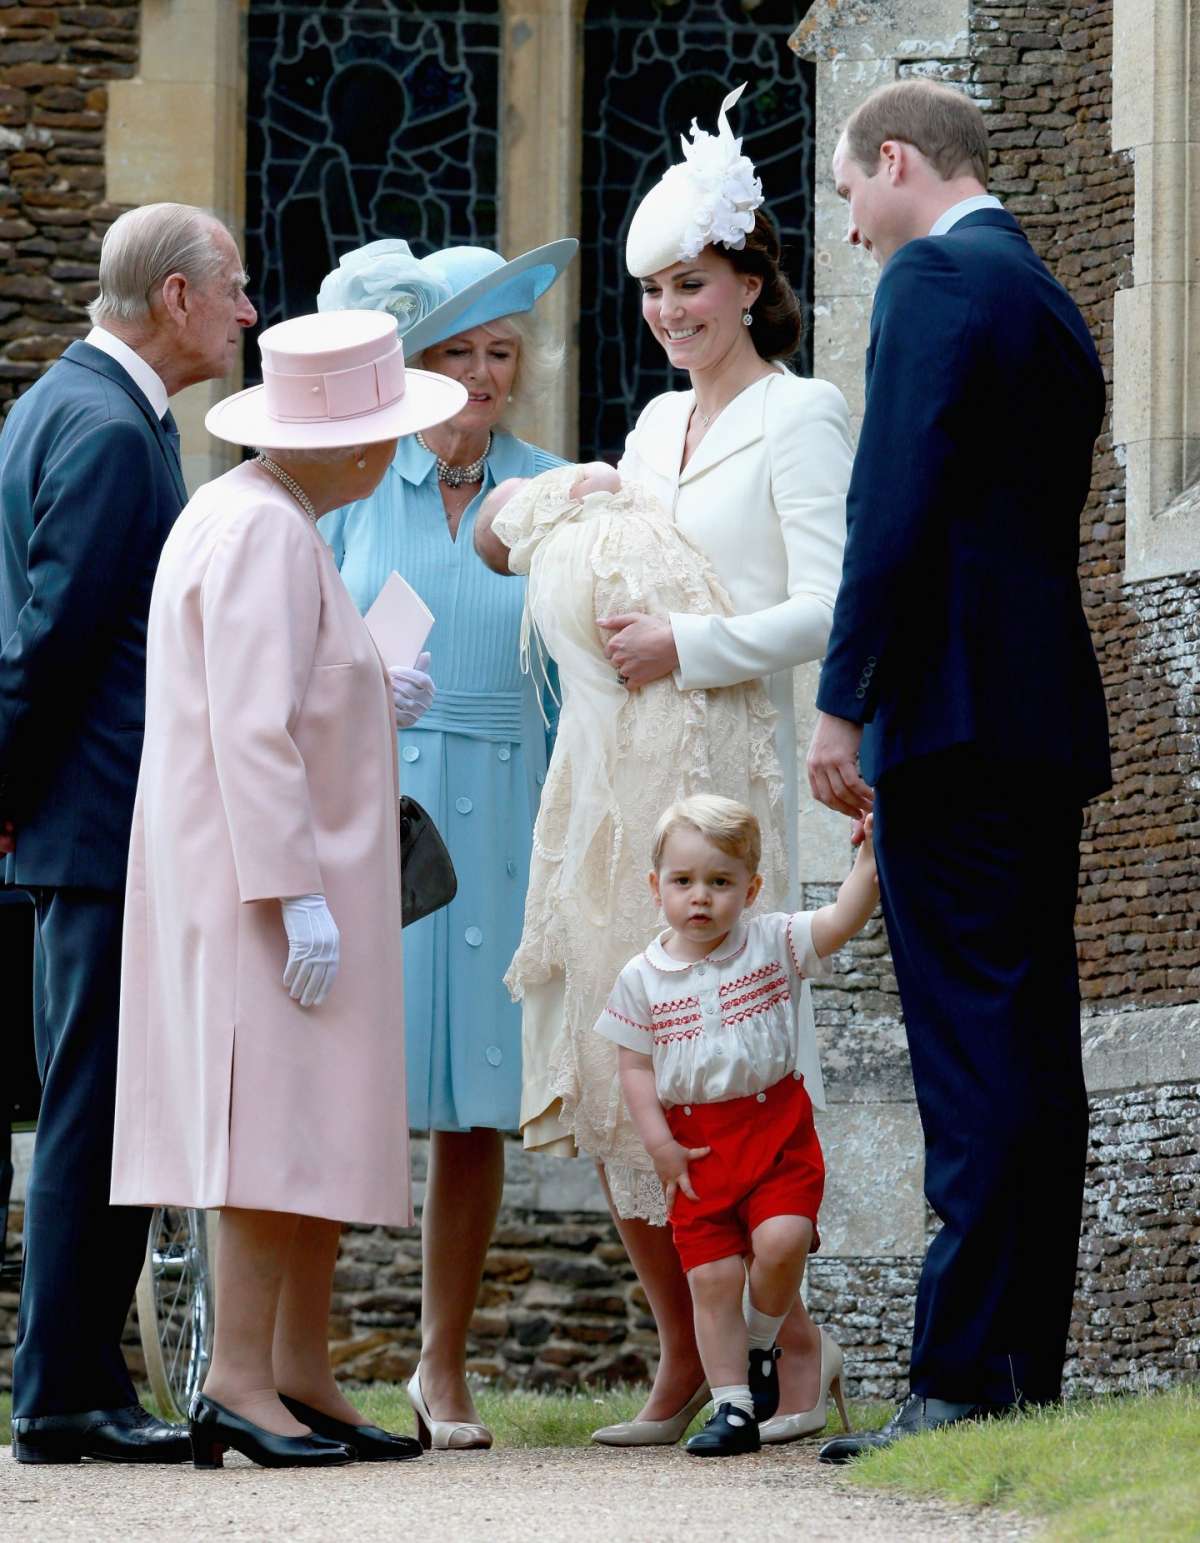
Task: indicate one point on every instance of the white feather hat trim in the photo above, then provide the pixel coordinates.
(708, 198)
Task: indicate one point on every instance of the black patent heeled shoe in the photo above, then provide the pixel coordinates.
(369, 1443)
(214, 1430)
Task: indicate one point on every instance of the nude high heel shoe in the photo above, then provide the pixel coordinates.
(444, 1435)
(790, 1427)
(653, 1433)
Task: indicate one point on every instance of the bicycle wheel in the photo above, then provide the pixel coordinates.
(174, 1302)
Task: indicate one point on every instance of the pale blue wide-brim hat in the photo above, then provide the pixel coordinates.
(451, 291)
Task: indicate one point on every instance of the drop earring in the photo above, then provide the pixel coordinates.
(747, 319)
(361, 463)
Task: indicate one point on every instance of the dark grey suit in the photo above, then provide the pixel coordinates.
(90, 485)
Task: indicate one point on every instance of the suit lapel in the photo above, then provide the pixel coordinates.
(100, 363)
(663, 449)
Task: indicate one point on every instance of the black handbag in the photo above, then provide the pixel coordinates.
(427, 877)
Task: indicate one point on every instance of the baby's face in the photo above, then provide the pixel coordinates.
(595, 477)
(489, 546)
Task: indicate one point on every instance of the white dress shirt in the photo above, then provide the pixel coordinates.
(959, 211)
(729, 1025)
(144, 378)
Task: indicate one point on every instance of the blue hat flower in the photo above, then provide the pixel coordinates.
(384, 276)
(451, 291)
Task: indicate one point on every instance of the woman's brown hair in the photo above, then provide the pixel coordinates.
(778, 325)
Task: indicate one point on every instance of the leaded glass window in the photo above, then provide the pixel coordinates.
(650, 67)
(366, 118)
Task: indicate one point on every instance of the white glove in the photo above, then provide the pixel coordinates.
(314, 949)
(412, 692)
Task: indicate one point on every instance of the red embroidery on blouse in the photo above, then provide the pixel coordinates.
(782, 995)
(621, 1018)
(792, 948)
(772, 967)
(677, 1006)
(667, 1039)
(764, 988)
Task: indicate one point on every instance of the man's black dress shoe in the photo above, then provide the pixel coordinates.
(729, 1433)
(763, 1377)
(130, 1435)
(369, 1443)
(214, 1429)
(915, 1415)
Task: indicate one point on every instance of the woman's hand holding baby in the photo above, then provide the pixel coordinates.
(671, 1161)
(641, 648)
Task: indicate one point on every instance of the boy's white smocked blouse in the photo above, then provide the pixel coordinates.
(729, 1025)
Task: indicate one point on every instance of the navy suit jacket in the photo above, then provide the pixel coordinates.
(90, 485)
(959, 619)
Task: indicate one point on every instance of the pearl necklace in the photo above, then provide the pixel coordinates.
(288, 482)
(457, 476)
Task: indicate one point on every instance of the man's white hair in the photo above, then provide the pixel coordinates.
(143, 247)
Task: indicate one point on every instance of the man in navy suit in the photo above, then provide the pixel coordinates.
(960, 664)
(90, 485)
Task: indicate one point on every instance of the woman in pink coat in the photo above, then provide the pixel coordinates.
(261, 1066)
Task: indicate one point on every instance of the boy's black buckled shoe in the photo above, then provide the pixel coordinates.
(764, 1382)
(729, 1433)
(131, 1435)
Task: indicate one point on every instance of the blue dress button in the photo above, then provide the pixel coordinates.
(510, 868)
(410, 753)
(504, 753)
(463, 805)
(474, 936)
(494, 1055)
(540, 778)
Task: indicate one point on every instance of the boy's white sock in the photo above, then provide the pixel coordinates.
(737, 1394)
(761, 1327)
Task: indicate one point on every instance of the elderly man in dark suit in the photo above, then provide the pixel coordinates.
(960, 657)
(90, 484)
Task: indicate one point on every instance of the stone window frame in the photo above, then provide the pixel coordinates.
(1156, 321)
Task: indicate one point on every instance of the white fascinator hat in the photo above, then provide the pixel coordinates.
(708, 198)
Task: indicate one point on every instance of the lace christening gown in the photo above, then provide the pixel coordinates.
(620, 758)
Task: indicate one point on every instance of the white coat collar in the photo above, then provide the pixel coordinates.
(741, 423)
(733, 945)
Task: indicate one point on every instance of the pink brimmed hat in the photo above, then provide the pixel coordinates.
(330, 379)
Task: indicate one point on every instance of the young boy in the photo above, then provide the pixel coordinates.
(716, 1043)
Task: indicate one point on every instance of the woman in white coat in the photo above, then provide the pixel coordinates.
(261, 1059)
(754, 463)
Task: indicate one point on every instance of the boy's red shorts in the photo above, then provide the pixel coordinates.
(765, 1161)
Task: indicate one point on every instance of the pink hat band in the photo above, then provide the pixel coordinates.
(332, 394)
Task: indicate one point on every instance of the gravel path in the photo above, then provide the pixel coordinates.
(588, 1495)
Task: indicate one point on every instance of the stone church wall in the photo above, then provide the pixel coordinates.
(56, 60)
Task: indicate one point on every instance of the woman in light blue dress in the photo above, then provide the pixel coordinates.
(477, 760)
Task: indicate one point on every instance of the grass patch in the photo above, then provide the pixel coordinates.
(1100, 1469)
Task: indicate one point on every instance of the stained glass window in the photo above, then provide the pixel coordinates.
(650, 67)
(366, 118)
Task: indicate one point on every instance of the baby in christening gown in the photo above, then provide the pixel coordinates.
(593, 548)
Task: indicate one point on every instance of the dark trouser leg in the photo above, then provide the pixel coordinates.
(82, 1256)
(978, 880)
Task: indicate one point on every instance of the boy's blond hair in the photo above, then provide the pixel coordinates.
(730, 826)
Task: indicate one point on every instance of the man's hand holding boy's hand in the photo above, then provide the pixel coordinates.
(671, 1165)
